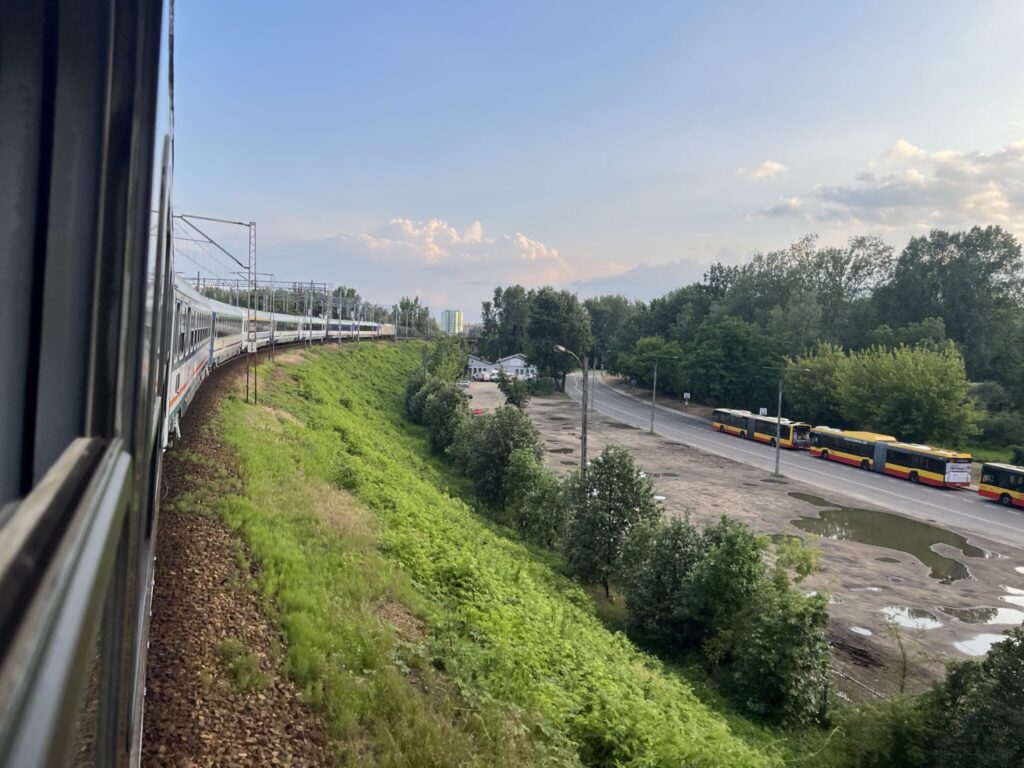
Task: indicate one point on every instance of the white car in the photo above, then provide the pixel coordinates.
(462, 384)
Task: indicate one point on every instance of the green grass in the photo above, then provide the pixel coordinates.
(510, 665)
(981, 454)
(243, 667)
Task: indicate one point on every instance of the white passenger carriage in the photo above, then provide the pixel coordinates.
(191, 331)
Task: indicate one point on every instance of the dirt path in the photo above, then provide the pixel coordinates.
(216, 690)
(864, 579)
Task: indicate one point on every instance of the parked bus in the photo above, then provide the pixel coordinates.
(849, 447)
(884, 454)
(792, 434)
(1004, 482)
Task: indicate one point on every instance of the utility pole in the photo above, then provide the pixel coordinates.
(654, 393)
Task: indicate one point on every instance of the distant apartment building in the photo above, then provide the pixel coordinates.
(451, 321)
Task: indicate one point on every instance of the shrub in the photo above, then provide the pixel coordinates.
(981, 709)
(414, 405)
(532, 498)
(516, 392)
(771, 657)
(604, 505)
(483, 446)
(893, 733)
(657, 563)
(444, 411)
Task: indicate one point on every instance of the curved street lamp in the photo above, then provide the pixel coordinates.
(583, 419)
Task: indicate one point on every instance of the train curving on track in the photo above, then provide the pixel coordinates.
(104, 350)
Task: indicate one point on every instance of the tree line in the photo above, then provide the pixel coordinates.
(927, 343)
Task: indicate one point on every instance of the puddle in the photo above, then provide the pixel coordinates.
(979, 644)
(1016, 596)
(861, 631)
(895, 579)
(911, 618)
(986, 615)
(560, 450)
(664, 474)
(885, 529)
(866, 589)
(887, 560)
(558, 418)
(617, 425)
(568, 463)
(775, 480)
(1019, 569)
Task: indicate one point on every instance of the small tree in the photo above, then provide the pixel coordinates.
(414, 406)
(981, 709)
(772, 655)
(484, 445)
(613, 497)
(532, 498)
(516, 392)
(444, 410)
(657, 562)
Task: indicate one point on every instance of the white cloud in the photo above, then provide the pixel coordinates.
(444, 264)
(769, 169)
(911, 188)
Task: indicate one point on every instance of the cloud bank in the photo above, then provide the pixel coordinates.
(908, 187)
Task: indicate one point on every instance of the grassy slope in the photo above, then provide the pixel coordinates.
(528, 674)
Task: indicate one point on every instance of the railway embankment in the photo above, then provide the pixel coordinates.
(415, 631)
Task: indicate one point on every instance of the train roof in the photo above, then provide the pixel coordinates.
(183, 285)
(873, 437)
(940, 452)
(222, 308)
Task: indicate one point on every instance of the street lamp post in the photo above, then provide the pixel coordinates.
(583, 418)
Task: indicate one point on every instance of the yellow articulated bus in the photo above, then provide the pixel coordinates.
(1003, 482)
(885, 454)
(792, 434)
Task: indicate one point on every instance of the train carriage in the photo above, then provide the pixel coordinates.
(191, 332)
(228, 339)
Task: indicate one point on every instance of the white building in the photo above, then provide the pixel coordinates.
(517, 367)
(451, 321)
(477, 365)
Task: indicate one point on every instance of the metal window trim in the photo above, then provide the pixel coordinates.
(44, 671)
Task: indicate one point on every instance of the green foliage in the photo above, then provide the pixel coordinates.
(445, 410)
(892, 733)
(447, 359)
(981, 709)
(726, 364)
(243, 667)
(657, 565)
(556, 317)
(604, 504)
(772, 655)
(418, 400)
(1017, 456)
(531, 677)
(811, 393)
(638, 363)
(516, 391)
(533, 499)
(918, 394)
(710, 590)
(485, 443)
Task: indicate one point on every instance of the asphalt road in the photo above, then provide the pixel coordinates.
(963, 510)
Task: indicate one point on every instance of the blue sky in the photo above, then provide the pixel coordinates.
(444, 148)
